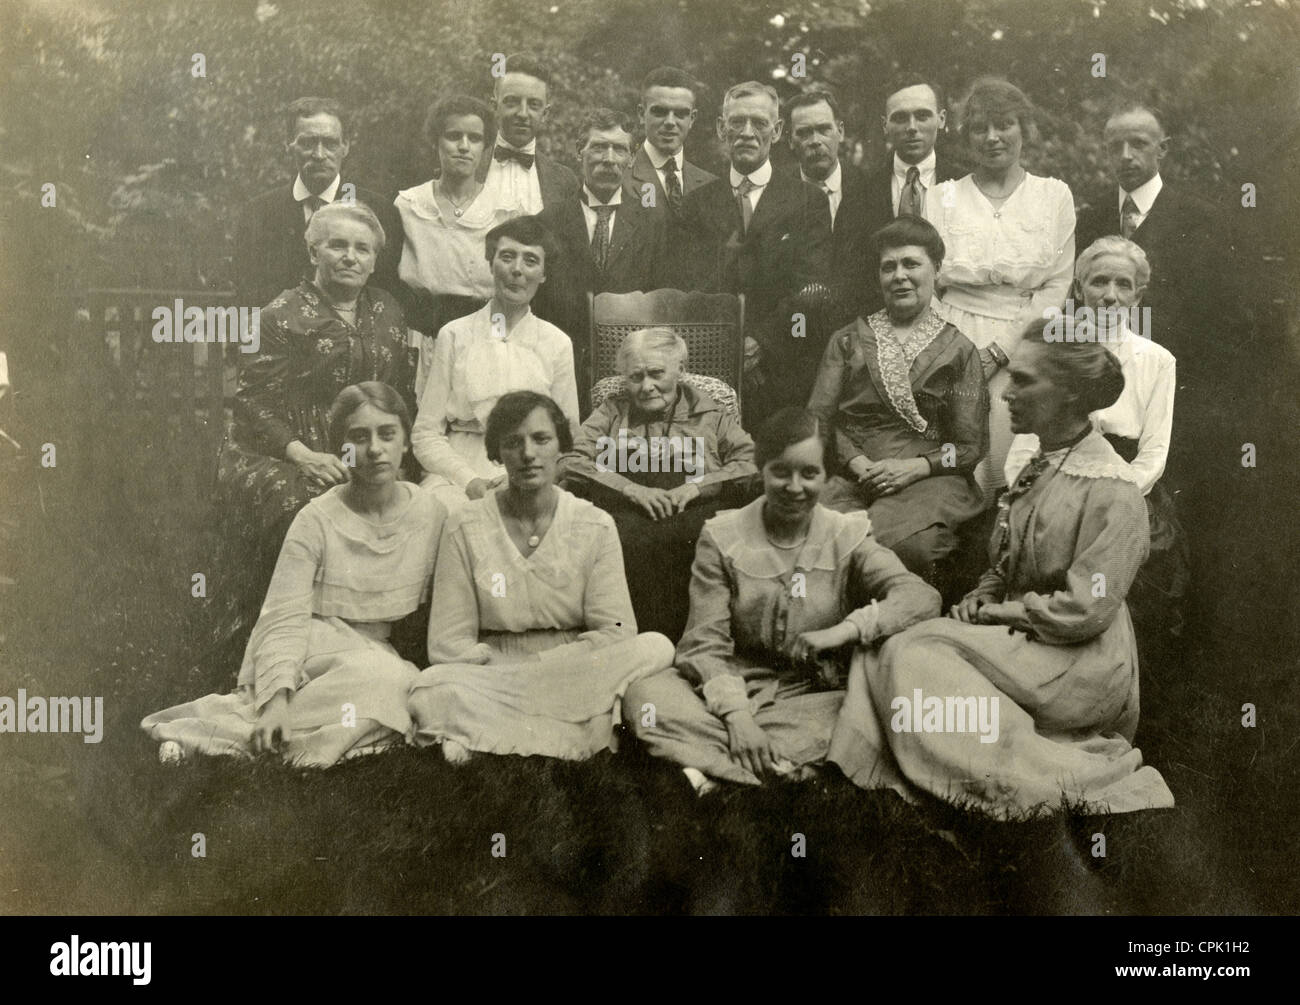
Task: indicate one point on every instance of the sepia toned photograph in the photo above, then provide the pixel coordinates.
(650, 457)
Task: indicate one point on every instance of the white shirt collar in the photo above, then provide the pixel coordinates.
(658, 160)
(1144, 196)
(301, 191)
(759, 177)
(833, 181)
(925, 168)
(589, 198)
(529, 148)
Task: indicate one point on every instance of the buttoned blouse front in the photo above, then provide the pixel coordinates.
(445, 254)
(1026, 245)
(748, 599)
(472, 368)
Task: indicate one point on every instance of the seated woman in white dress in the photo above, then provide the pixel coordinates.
(532, 634)
(320, 679)
(500, 348)
(445, 223)
(1026, 700)
(1010, 241)
(1110, 277)
(783, 591)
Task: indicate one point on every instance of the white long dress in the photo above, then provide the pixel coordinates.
(1003, 267)
(340, 582)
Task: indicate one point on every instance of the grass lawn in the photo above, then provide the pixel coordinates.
(103, 607)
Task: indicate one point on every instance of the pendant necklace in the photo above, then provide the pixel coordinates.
(455, 207)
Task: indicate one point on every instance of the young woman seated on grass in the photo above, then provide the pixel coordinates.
(532, 635)
(320, 679)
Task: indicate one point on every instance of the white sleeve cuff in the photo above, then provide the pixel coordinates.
(725, 694)
(866, 620)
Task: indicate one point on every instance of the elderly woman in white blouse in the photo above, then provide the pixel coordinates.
(500, 348)
(1010, 241)
(532, 637)
(1110, 278)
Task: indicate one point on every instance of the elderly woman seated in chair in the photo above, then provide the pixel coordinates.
(662, 452)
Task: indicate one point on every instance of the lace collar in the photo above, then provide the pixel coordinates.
(1093, 457)
(895, 357)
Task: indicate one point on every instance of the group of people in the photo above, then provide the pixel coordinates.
(422, 440)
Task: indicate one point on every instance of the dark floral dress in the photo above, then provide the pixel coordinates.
(308, 354)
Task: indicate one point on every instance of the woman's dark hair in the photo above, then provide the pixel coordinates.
(909, 230)
(526, 230)
(435, 122)
(1086, 369)
(990, 96)
(512, 409)
(368, 392)
(788, 426)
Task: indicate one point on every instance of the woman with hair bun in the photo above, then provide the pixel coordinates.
(1027, 699)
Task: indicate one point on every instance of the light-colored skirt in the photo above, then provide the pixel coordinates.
(558, 700)
(351, 698)
(1019, 727)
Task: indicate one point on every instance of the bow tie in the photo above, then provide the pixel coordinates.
(503, 154)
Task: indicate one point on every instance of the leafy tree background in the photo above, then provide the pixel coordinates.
(151, 162)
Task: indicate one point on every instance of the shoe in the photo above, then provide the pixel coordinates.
(454, 752)
(170, 752)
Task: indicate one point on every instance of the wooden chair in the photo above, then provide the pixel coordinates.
(713, 325)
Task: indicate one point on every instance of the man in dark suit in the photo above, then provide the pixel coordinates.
(767, 235)
(517, 175)
(816, 132)
(270, 254)
(1190, 294)
(608, 241)
(914, 117)
(668, 109)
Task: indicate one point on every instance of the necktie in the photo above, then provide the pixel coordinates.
(313, 202)
(672, 185)
(503, 154)
(830, 201)
(742, 192)
(911, 201)
(600, 239)
(1128, 217)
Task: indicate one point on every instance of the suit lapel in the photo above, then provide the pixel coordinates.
(777, 196)
(642, 172)
(627, 219)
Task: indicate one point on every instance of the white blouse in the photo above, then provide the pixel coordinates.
(1144, 411)
(445, 254)
(1005, 262)
(472, 368)
(573, 580)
